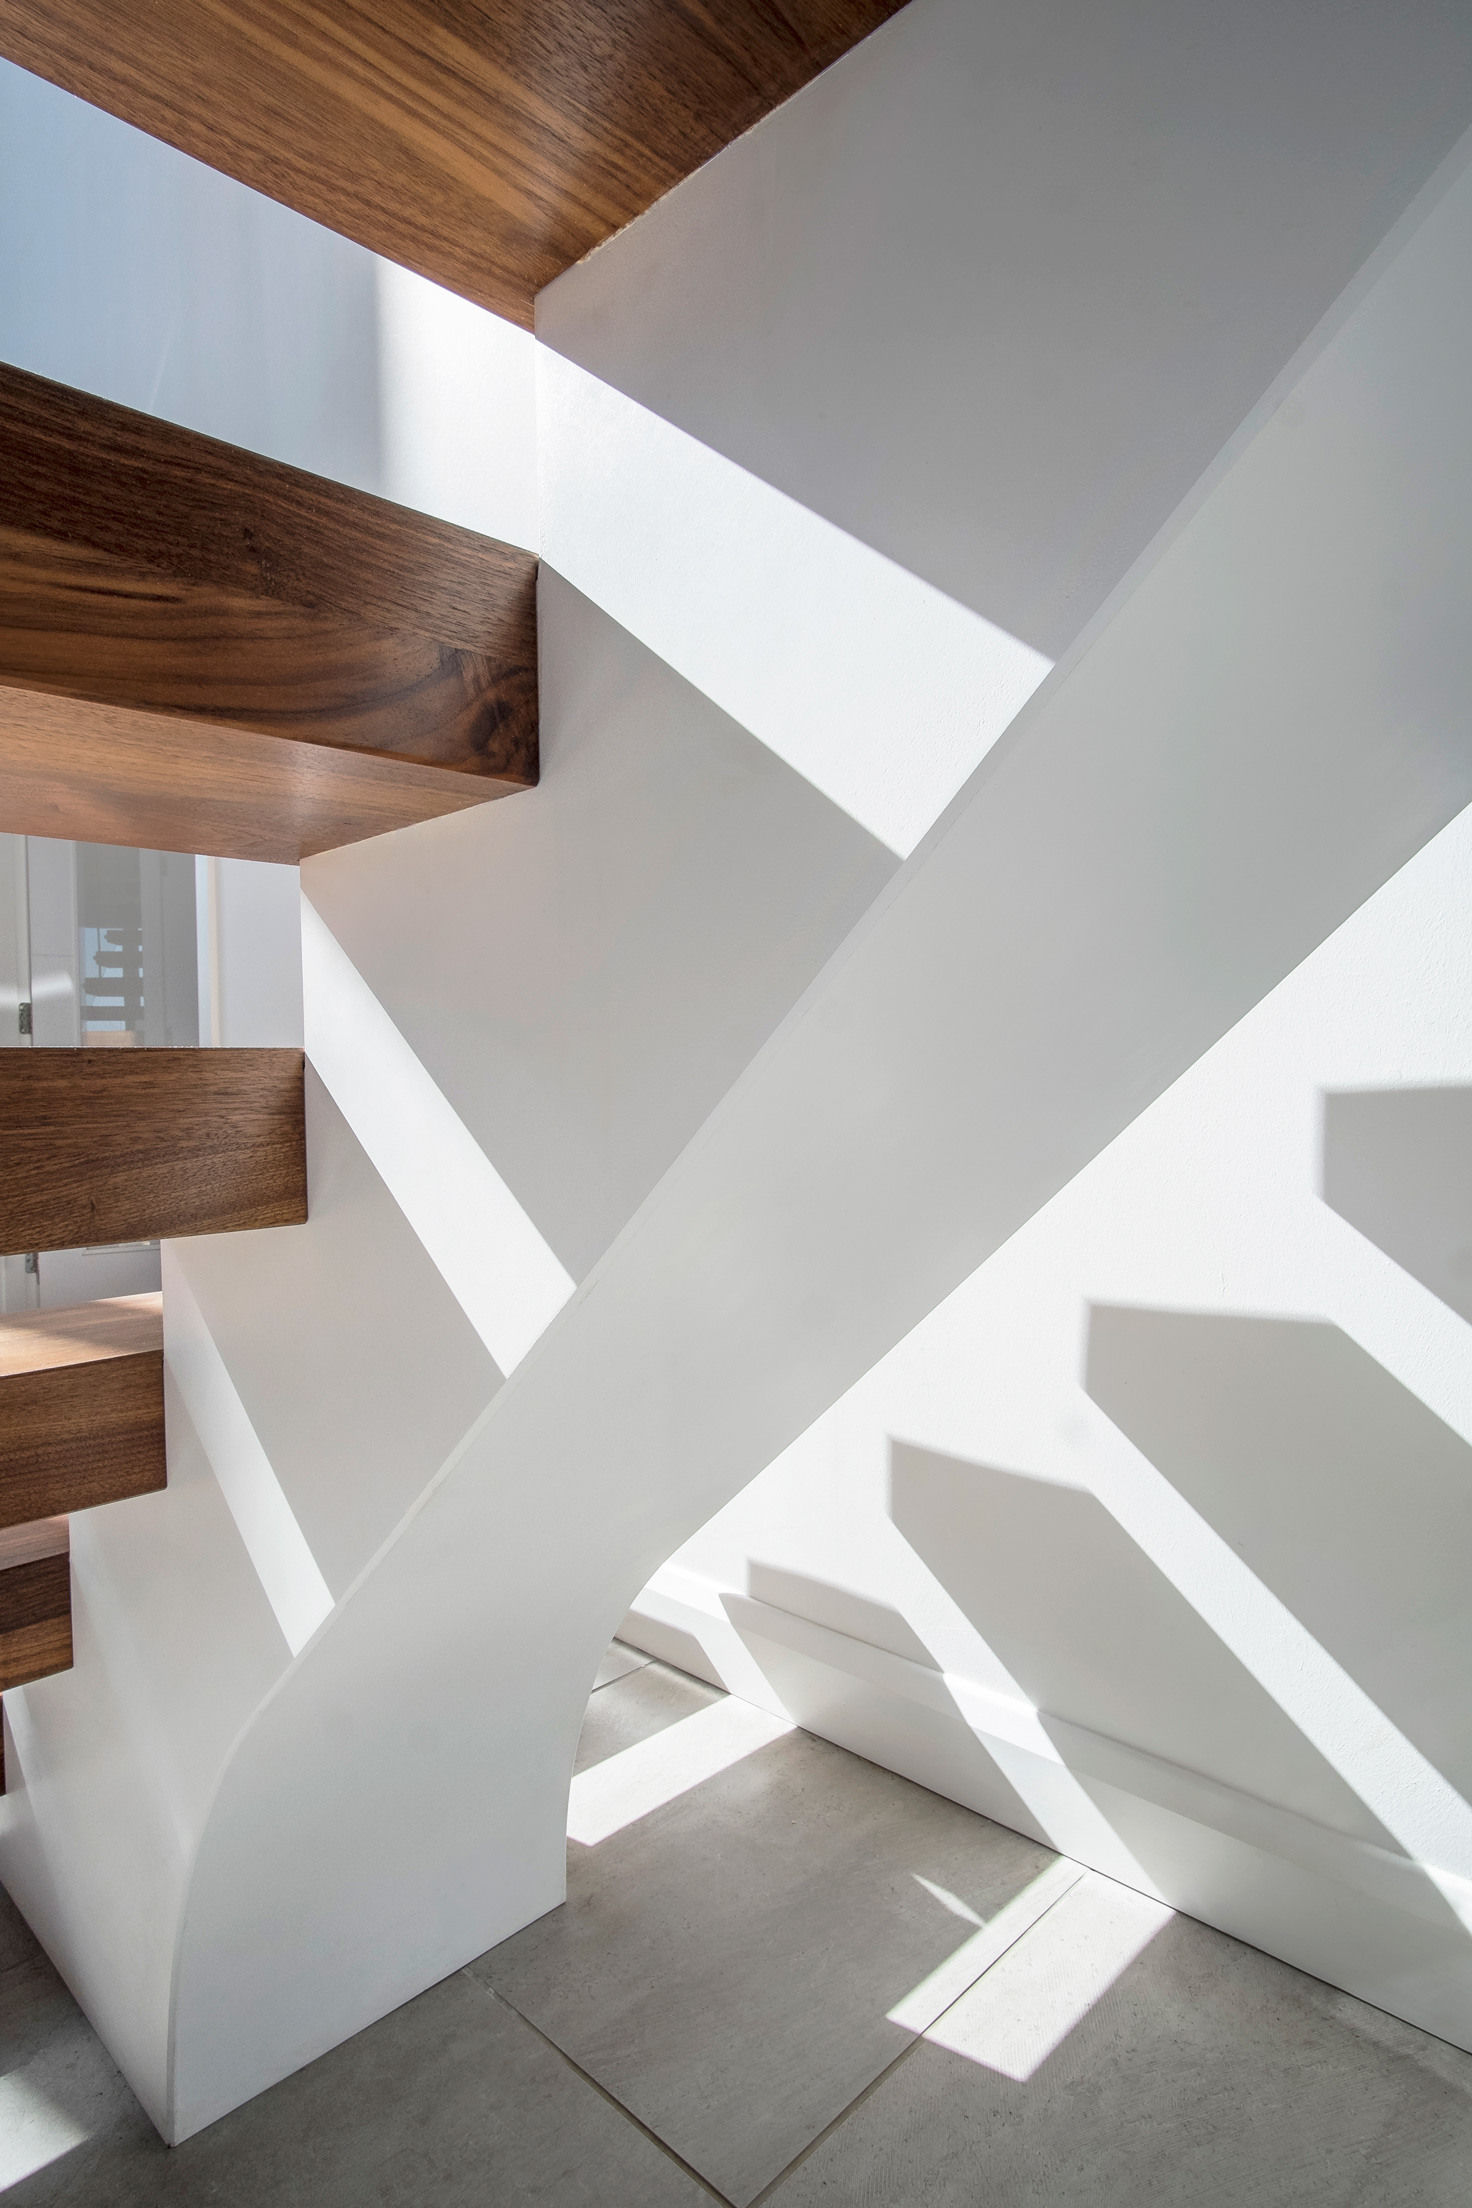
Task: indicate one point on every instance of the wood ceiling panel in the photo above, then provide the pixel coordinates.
(486, 143)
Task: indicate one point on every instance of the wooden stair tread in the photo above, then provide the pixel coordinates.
(107, 774)
(134, 1145)
(85, 1333)
(202, 650)
(81, 1409)
(28, 1544)
(35, 1602)
(488, 146)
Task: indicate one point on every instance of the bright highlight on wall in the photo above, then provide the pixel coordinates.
(874, 686)
(501, 1271)
(299, 1596)
(457, 408)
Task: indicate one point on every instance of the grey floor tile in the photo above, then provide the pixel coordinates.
(724, 1966)
(1206, 2076)
(620, 1660)
(59, 2089)
(18, 1944)
(636, 1706)
(451, 2102)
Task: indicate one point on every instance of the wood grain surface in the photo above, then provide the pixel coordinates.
(80, 623)
(24, 1544)
(486, 143)
(101, 1146)
(107, 774)
(35, 1603)
(81, 1334)
(80, 470)
(174, 578)
(81, 1407)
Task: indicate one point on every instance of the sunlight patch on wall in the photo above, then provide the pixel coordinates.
(299, 1596)
(630, 1785)
(1395, 1781)
(504, 1275)
(874, 686)
(457, 401)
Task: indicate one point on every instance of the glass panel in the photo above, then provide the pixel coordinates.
(136, 975)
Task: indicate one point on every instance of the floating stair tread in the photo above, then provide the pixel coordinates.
(203, 650)
(81, 1408)
(135, 1145)
(486, 146)
(29, 1544)
(114, 774)
(115, 1326)
(35, 1602)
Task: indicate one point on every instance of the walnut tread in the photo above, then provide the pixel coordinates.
(488, 144)
(133, 1145)
(35, 1603)
(81, 1407)
(201, 650)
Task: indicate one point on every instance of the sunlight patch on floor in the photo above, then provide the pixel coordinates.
(636, 1781)
(33, 2130)
(928, 2001)
(1024, 2008)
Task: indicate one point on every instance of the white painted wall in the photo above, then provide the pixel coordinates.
(249, 953)
(1000, 284)
(757, 1162)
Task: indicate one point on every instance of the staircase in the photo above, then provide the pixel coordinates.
(205, 651)
(106, 1146)
(81, 1423)
(219, 654)
(200, 650)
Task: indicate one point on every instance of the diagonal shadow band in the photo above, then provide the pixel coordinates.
(1340, 1490)
(1096, 1635)
(1115, 1658)
(1397, 1164)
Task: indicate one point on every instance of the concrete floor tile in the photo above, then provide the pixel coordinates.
(59, 2089)
(1205, 2075)
(619, 1661)
(636, 1706)
(451, 2102)
(18, 1944)
(724, 1965)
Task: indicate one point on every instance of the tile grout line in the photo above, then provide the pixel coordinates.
(769, 2189)
(829, 2128)
(602, 2091)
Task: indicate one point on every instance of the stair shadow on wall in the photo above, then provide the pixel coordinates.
(1122, 1670)
(927, 1741)
(1337, 1487)
(1397, 1164)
